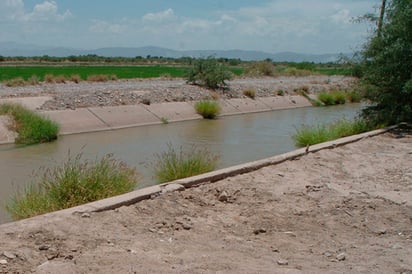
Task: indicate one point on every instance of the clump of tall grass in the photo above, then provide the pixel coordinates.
(73, 183)
(31, 127)
(310, 135)
(172, 165)
(208, 109)
(250, 92)
(354, 96)
(16, 82)
(332, 98)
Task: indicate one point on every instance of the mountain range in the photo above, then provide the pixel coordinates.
(27, 50)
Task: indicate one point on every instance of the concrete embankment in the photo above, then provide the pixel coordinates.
(92, 119)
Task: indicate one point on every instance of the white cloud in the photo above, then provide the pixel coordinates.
(342, 16)
(15, 10)
(159, 17)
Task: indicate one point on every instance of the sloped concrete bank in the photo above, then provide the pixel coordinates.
(92, 119)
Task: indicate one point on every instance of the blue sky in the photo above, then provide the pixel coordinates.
(304, 26)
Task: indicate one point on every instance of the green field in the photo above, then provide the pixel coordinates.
(122, 72)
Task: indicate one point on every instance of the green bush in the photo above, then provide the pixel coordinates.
(209, 73)
(31, 127)
(310, 135)
(172, 165)
(208, 109)
(387, 61)
(76, 182)
(326, 98)
(16, 82)
(354, 96)
(339, 97)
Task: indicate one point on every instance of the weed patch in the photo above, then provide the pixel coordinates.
(208, 109)
(310, 135)
(74, 183)
(31, 127)
(172, 165)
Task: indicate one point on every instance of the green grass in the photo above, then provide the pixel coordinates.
(74, 183)
(208, 109)
(333, 97)
(121, 72)
(172, 165)
(31, 127)
(310, 135)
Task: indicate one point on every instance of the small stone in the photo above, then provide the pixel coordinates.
(396, 246)
(327, 254)
(86, 215)
(3, 262)
(259, 230)
(172, 187)
(341, 257)
(187, 226)
(9, 255)
(44, 247)
(223, 196)
(282, 262)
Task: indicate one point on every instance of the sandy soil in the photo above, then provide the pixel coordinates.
(346, 210)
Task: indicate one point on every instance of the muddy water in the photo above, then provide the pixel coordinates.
(237, 139)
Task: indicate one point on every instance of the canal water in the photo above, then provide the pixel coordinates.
(236, 139)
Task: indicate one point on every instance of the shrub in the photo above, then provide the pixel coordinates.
(33, 80)
(251, 93)
(280, 92)
(326, 98)
(16, 82)
(49, 78)
(339, 97)
(387, 60)
(98, 78)
(172, 165)
(208, 109)
(322, 133)
(75, 78)
(208, 73)
(354, 96)
(60, 79)
(262, 68)
(31, 127)
(74, 183)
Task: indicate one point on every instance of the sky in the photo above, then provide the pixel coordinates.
(303, 26)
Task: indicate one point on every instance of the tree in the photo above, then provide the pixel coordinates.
(209, 73)
(387, 59)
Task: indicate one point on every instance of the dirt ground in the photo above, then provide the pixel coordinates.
(345, 210)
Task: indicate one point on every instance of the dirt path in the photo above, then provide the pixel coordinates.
(346, 210)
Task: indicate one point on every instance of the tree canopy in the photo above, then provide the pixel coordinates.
(387, 59)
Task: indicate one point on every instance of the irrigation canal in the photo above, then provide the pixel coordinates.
(237, 139)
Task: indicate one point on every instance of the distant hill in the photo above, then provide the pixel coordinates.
(26, 50)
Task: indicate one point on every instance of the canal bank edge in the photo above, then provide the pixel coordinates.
(93, 119)
(177, 185)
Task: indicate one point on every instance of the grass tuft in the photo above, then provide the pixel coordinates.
(172, 165)
(31, 127)
(251, 93)
(74, 183)
(208, 109)
(310, 135)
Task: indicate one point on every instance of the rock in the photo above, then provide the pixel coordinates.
(86, 215)
(44, 247)
(327, 254)
(9, 255)
(259, 230)
(223, 196)
(3, 262)
(341, 257)
(172, 187)
(282, 262)
(56, 267)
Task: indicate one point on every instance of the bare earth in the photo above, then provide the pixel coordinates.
(346, 210)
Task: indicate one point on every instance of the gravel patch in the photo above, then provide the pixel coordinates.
(148, 91)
